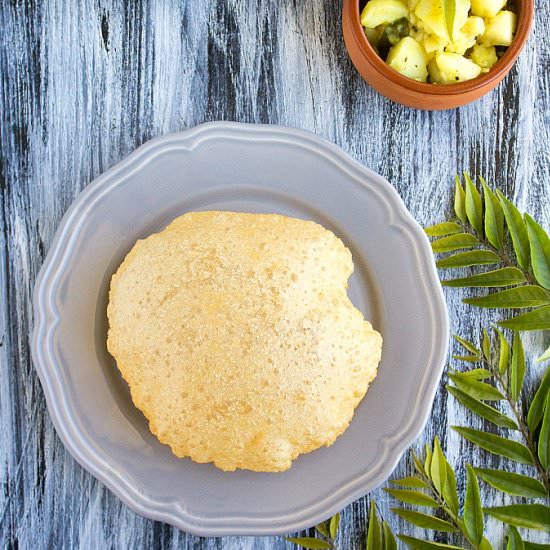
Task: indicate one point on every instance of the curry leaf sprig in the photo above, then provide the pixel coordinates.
(488, 230)
(498, 378)
(433, 486)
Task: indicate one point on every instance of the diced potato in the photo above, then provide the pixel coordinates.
(412, 4)
(450, 68)
(487, 8)
(431, 13)
(500, 29)
(409, 58)
(418, 34)
(433, 43)
(382, 12)
(466, 37)
(484, 56)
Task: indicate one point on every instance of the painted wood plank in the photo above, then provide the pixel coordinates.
(85, 82)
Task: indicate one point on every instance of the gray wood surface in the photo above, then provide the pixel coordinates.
(83, 82)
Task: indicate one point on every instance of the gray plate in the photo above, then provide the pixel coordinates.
(250, 168)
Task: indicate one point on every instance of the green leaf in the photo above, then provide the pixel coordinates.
(412, 497)
(334, 524)
(410, 481)
(467, 259)
(450, 494)
(475, 388)
(449, 12)
(467, 358)
(494, 217)
(438, 467)
(535, 546)
(514, 540)
(454, 242)
(374, 533)
(389, 540)
(442, 229)
(531, 516)
(428, 461)
(539, 243)
(544, 357)
(517, 229)
(486, 346)
(538, 319)
(517, 370)
(504, 276)
(460, 201)
(536, 409)
(323, 529)
(425, 520)
(513, 484)
(418, 544)
(417, 463)
(474, 209)
(504, 353)
(473, 513)
(496, 444)
(518, 297)
(544, 436)
(309, 542)
(482, 409)
(470, 346)
(477, 374)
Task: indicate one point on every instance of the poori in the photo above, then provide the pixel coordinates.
(237, 338)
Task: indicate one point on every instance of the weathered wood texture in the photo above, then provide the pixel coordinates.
(85, 82)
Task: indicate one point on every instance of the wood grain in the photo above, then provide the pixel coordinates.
(85, 82)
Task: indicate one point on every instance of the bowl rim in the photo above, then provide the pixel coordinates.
(60, 406)
(496, 73)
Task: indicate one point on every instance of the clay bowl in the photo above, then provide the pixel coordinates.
(431, 97)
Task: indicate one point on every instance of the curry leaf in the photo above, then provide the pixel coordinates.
(504, 353)
(531, 516)
(450, 494)
(539, 243)
(536, 409)
(410, 481)
(538, 319)
(482, 409)
(418, 544)
(517, 370)
(333, 525)
(474, 209)
(449, 12)
(544, 436)
(425, 520)
(494, 217)
(468, 345)
(460, 201)
(518, 297)
(438, 467)
(545, 356)
(511, 483)
(442, 229)
(323, 529)
(412, 497)
(473, 513)
(454, 242)
(389, 540)
(309, 542)
(374, 533)
(514, 540)
(467, 259)
(518, 231)
(475, 388)
(504, 276)
(496, 444)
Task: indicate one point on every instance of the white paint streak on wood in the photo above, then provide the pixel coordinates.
(85, 82)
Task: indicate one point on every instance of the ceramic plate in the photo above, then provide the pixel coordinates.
(248, 168)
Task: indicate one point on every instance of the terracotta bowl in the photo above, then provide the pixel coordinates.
(411, 93)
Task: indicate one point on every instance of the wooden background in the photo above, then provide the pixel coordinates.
(85, 82)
